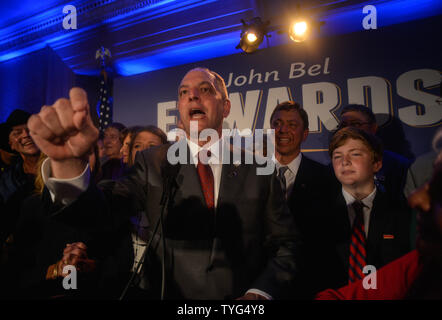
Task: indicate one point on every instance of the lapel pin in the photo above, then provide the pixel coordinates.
(232, 174)
(388, 236)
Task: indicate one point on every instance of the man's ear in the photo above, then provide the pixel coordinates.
(373, 128)
(305, 134)
(226, 106)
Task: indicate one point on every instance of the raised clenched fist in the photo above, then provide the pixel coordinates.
(64, 131)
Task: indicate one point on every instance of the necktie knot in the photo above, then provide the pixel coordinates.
(282, 171)
(358, 207)
(204, 156)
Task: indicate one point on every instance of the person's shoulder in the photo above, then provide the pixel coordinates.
(424, 161)
(34, 206)
(312, 163)
(156, 151)
(393, 201)
(156, 155)
(316, 168)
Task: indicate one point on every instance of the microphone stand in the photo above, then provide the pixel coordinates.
(164, 201)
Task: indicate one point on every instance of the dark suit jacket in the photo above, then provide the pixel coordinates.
(309, 201)
(389, 216)
(248, 241)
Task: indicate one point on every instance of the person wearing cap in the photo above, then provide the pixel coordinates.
(17, 180)
(6, 155)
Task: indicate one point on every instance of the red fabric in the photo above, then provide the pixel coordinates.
(393, 282)
(205, 175)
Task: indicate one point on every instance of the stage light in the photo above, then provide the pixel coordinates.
(299, 30)
(252, 34)
(251, 37)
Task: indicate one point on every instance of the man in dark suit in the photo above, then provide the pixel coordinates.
(309, 188)
(228, 233)
(368, 226)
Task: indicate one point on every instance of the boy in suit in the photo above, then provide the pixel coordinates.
(368, 226)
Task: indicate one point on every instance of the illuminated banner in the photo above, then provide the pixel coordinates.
(395, 71)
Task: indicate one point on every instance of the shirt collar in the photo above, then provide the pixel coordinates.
(367, 201)
(293, 165)
(214, 149)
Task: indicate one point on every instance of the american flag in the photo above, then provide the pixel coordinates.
(104, 105)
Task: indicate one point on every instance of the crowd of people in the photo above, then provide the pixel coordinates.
(135, 226)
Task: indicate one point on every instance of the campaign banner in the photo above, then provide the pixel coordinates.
(394, 71)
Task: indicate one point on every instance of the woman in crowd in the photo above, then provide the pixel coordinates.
(112, 166)
(125, 149)
(145, 138)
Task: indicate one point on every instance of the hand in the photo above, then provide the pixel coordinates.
(420, 198)
(75, 254)
(65, 133)
(252, 296)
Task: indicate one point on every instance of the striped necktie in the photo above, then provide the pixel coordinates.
(357, 260)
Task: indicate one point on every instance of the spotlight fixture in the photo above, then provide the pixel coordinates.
(299, 30)
(302, 25)
(252, 34)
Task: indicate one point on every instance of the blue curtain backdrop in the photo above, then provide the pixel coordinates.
(31, 81)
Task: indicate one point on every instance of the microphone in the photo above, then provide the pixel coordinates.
(168, 173)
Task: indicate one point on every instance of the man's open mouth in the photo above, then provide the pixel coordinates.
(196, 113)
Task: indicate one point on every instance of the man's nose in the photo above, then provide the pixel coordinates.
(283, 128)
(194, 94)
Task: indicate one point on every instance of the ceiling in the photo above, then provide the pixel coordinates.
(146, 35)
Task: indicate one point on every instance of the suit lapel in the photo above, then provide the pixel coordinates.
(302, 176)
(230, 186)
(188, 183)
(378, 219)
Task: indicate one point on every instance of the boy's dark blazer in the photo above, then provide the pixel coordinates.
(388, 234)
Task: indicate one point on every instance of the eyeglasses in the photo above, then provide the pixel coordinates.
(354, 124)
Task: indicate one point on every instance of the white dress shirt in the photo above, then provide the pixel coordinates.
(368, 205)
(65, 191)
(290, 174)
